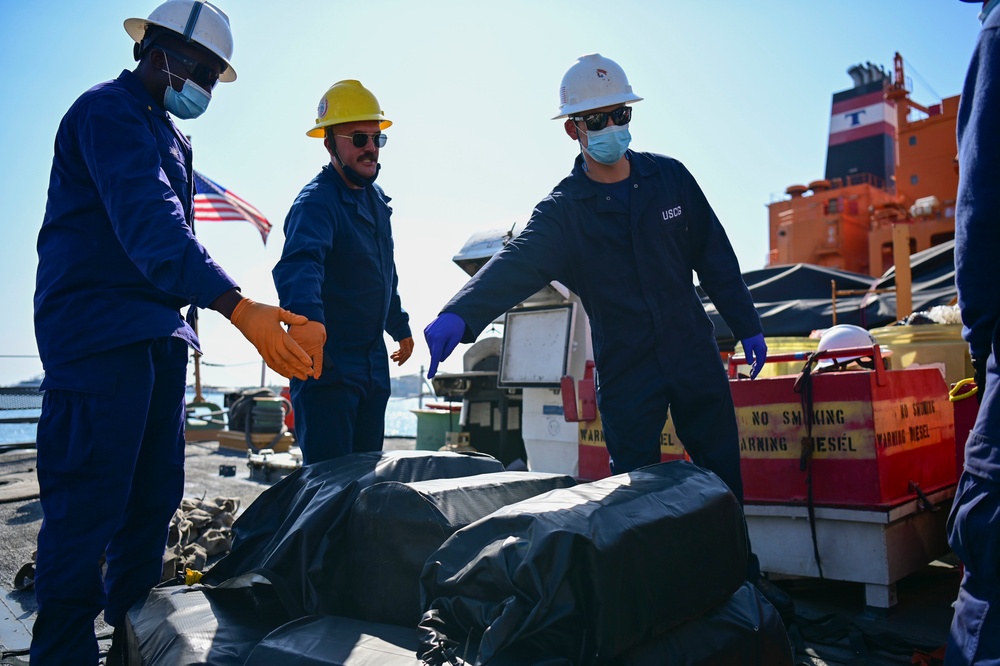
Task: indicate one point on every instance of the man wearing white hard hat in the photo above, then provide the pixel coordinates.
(117, 260)
(625, 231)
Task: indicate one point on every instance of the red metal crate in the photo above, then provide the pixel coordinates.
(878, 436)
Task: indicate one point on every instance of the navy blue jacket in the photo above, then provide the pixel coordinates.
(337, 268)
(977, 228)
(117, 256)
(631, 267)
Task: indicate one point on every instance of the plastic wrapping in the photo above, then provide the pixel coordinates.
(293, 535)
(745, 630)
(182, 625)
(394, 527)
(588, 572)
(336, 641)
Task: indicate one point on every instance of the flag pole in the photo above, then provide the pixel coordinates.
(263, 371)
(198, 398)
(197, 361)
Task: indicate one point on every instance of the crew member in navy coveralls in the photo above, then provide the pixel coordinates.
(117, 259)
(337, 269)
(624, 231)
(974, 523)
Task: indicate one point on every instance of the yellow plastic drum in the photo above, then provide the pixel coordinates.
(924, 344)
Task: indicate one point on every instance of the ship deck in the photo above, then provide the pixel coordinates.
(832, 626)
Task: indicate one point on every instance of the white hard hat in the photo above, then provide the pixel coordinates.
(847, 336)
(592, 82)
(196, 21)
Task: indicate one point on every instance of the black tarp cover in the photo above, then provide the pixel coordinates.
(585, 573)
(746, 630)
(183, 625)
(394, 527)
(293, 533)
(796, 299)
(325, 640)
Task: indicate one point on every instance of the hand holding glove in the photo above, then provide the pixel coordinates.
(261, 325)
(755, 349)
(442, 336)
(311, 336)
(404, 351)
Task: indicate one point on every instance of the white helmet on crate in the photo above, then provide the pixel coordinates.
(196, 21)
(847, 336)
(592, 82)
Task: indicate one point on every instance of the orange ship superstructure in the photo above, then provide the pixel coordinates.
(890, 161)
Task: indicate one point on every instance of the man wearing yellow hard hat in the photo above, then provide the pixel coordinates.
(337, 269)
(117, 259)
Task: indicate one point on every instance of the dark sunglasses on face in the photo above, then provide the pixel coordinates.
(360, 139)
(203, 75)
(598, 121)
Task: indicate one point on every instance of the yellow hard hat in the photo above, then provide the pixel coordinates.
(346, 102)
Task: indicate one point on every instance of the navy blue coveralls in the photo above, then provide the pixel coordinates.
(117, 259)
(974, 523)
(631, 266)
(337, 268)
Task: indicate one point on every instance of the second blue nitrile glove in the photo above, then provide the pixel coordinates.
(442, 336)
(755, 349)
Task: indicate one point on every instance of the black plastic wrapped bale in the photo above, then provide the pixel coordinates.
(745, 630)
(192, 625)
(395, 527)
(588, 572)
(326, 640)
(293, 533)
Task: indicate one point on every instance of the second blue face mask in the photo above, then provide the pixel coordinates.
(609, 144)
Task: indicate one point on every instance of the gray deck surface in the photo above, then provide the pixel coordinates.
(832, 625)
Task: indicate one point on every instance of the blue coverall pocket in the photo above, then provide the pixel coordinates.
(74, 405)
(974, 529)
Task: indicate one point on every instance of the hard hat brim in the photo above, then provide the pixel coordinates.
(136, 29)
(319, 131)
(826, 362)
(590, 105)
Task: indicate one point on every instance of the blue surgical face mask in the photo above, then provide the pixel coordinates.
(190, 102)
(609, 144)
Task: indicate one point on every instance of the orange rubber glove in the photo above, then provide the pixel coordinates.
(261, 325)
(404, 351)
(311, 336)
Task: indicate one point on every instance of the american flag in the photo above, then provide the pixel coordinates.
(214, 203)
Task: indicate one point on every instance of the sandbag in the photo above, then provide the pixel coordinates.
(394, 527)
(326, 640)
(292, 535)
(589, 572)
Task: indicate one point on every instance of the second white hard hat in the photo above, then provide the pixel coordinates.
(196, 21)
(847, 336)
(591, 83)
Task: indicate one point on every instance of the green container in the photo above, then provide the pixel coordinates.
(432, 424)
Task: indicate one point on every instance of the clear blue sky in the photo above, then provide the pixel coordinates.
(738, 91)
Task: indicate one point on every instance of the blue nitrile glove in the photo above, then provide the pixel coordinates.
(755, 349)
(442, 336)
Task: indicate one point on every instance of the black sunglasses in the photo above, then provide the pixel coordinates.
(360, 139)
(203, 75)
(598, 121)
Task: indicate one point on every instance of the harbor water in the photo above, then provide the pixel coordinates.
(400, 421)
